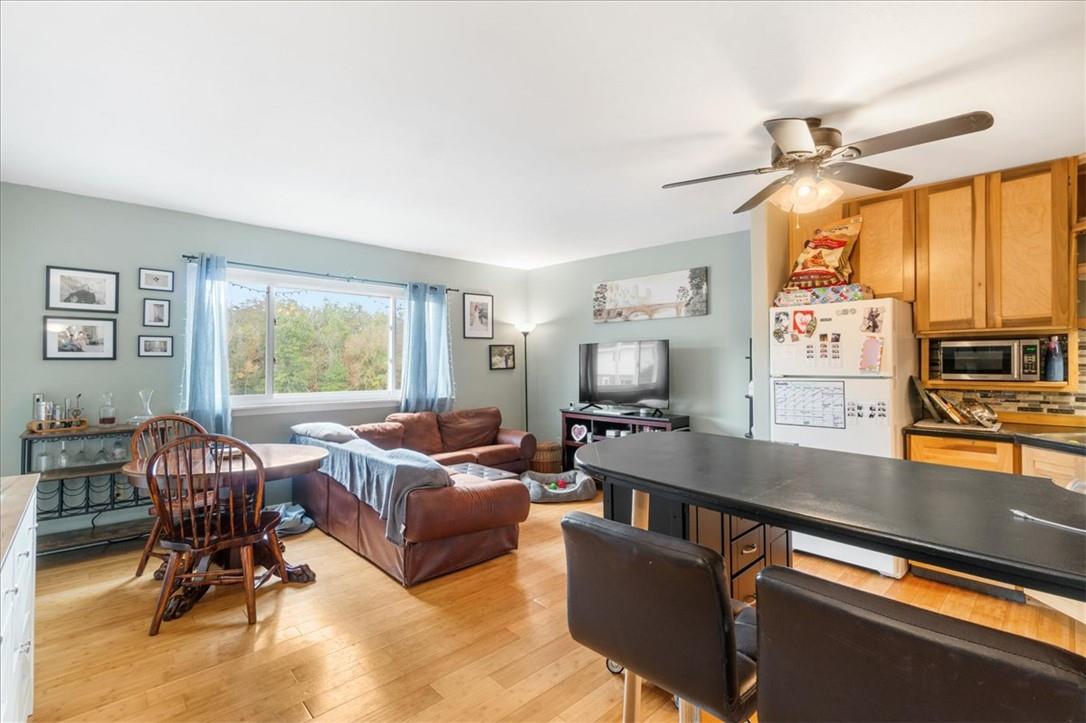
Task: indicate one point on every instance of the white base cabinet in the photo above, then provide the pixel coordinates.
(17, 572)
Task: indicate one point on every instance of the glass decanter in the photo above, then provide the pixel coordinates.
(62, 455)
(107, 413)
(145, 398)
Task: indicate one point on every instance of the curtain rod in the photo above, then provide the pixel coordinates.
(355, 279)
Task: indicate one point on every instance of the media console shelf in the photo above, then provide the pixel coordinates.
(598, 422)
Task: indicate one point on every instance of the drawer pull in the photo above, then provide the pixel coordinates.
(748, 549)
(750, 599)
(12, 590)
(24, 648)
(24, 553)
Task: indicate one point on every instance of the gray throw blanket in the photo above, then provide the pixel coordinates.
(380, 478)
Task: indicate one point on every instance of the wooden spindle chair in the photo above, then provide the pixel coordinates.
(146, 440)
(209, 493)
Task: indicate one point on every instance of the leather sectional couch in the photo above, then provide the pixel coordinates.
(445, 528)
(467, 435)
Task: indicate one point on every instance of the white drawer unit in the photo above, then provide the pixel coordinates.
(18, 542)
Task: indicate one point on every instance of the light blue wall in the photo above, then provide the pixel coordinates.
(708, 368)
(40, 227)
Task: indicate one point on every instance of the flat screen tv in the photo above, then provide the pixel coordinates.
(625, 373)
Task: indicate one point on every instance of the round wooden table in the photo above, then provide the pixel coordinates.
(280, 461)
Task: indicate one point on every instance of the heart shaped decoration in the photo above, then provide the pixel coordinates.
(801, 320)
(578, 432)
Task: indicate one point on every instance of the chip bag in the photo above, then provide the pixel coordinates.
(824, 258)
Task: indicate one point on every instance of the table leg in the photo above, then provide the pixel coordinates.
(265, 556)
(631, 694)
(688, 712)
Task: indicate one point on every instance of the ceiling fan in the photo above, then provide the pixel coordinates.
(814, 154)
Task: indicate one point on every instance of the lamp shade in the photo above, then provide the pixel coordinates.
(525, 327)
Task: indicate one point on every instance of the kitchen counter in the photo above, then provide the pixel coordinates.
(15, 493)
(1071, 440)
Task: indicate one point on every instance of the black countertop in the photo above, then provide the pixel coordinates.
(1060, 439)
(955, 518)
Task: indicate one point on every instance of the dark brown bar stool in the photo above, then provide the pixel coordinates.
(831, 653)
(658, 605)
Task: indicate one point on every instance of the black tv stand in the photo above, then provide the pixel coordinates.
(588, 406)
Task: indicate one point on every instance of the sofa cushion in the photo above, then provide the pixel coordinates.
(493, 454)
(386, 435)
(449, 458)
(469, 505)
(420, 431)
(325, 431)
(468, 428)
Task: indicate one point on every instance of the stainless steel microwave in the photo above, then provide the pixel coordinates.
(1014, 360)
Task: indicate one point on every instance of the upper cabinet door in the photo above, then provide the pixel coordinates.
(885, 254)
(1029, 250)
(950, 256)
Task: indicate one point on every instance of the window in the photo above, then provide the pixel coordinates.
(298, 339)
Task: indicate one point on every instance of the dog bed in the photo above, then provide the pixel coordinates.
(569, 486)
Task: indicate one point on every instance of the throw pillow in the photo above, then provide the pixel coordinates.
(325, 431)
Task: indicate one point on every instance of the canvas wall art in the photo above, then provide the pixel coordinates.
(660, 296)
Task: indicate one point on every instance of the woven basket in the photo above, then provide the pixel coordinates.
(548, 457)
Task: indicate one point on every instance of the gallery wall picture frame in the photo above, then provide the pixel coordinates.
(78, 338)
(478, 316)
(148, 345)
(86, 290)
(155, 279)
(503, 356)
(156, 312)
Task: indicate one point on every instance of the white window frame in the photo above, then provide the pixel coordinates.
(270, 402)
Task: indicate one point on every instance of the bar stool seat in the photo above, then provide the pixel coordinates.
(659, 606)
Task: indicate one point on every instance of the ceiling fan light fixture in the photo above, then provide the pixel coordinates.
(806, 194)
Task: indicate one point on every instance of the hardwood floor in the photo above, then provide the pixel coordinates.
(485, 644)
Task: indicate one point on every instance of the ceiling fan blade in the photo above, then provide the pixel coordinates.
(868, 176)
(959, 125)
(735, 174)
(764, 193)
(792, 135)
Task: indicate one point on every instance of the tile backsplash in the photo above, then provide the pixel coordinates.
(1031, 402)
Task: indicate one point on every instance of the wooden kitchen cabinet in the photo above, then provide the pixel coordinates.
(1063, 468)
(1029, 249)
(962, 452)
(951, 256)
(884, 257)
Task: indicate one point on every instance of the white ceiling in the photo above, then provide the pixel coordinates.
(521, 134)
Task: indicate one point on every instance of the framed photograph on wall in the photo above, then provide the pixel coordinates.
(69, 289)
(79, 338)
(478, 316)
(154, 345)
(503, 356)
(156, 312)
(156, 280)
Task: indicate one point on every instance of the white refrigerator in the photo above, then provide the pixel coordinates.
(839, 380)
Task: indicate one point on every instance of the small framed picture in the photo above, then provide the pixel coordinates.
(156, 280)
(503, 356)
(154, 345)
(478, 316)
(156, 312)
(68, 289)
(79, 338)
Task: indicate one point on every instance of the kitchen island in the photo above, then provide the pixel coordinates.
(959, 519)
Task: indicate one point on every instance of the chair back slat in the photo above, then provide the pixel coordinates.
(206, 488)
(158, 431)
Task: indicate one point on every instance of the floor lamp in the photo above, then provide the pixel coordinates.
(526, 328)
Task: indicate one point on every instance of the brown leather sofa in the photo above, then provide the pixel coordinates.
(445, 528)
(467, 435)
